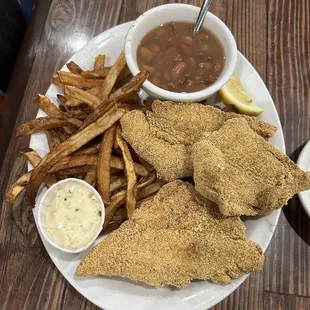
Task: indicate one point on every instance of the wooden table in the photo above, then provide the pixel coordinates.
(273, 34)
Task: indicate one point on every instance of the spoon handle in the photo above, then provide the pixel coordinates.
(202, 14)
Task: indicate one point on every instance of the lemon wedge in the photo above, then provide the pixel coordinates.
(233, 93)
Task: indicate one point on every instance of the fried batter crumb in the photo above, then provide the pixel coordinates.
(242, 173)
(164, 136)
(173, 239)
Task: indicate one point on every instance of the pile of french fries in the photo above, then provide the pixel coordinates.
(85, 139)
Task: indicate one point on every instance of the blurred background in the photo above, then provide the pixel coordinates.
(14, 16)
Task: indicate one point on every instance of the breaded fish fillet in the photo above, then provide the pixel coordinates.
(163, 136)
(173, 239)
(242, 173)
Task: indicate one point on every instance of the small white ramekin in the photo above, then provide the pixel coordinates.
(42, 211)
(187, 13)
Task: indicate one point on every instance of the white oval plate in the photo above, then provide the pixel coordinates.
(304, 163)
(116, 293)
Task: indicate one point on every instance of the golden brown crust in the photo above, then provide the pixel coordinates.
(176, 237)
(242, 173)
(170, 161)
(163, 136)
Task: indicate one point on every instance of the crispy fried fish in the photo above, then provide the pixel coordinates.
(244, 174)
(163, 137)
(173, 239)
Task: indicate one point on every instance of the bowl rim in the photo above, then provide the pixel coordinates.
(49, 238)
(193, 96)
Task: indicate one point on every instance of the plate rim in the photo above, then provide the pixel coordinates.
(303, 197)
(276, 212)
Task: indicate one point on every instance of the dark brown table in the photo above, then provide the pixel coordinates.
(273, 34)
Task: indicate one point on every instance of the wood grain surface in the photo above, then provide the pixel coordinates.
(273, 34)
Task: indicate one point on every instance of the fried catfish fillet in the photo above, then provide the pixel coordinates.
(163, 137)
(173, 239)
(244, 174)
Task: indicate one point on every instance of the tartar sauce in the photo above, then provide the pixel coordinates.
(73, 216)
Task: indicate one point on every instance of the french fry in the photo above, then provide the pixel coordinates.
(93, 149)
(69, 78)
(53, 138)
(79, 160)
(131, 191)
(150, 189)
(47, 105)
(43, 123)
(119, 164)
(73, 103)
(74, 161)
(62, 108)
(145, 181)
(74, 67)
(95, 74)
(99, 62)
(62, 99)
(77, 114)
(32, 156)
(109, 81)
(103, 72)
(106, 105)
(120, 215)
(99, 98)
(51, 110)
(117, 182)
(57, 82)
(63, 135)
(145, 164)
(123, 77)
(103, 167)
(112, 226)
(117, 200)
(94, 91)
(18, 187)
(82, 170)
(69, 146)
(115, 146)
(132, 101)
(82, 95)
(115, 171)
(91, 177)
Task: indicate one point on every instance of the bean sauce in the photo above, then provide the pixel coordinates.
(179, 60)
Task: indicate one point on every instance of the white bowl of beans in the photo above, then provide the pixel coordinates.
(183, 66)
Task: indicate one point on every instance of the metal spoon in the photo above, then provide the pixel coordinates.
(202, 14)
